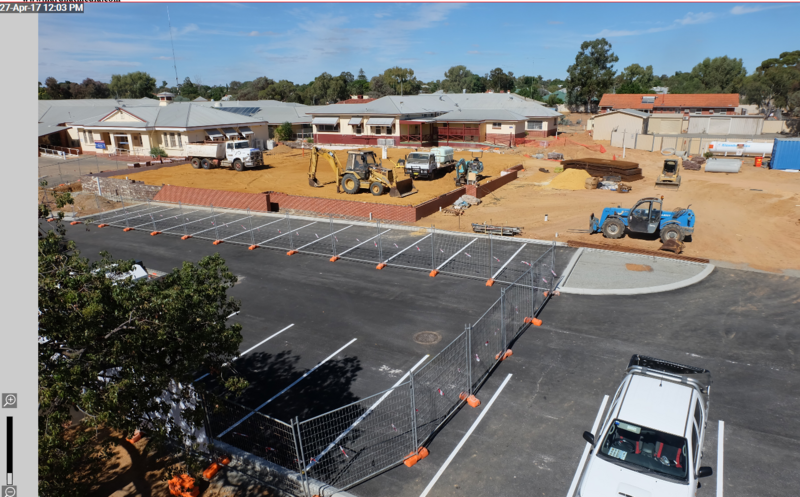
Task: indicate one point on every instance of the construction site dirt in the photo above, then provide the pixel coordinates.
(750, 218)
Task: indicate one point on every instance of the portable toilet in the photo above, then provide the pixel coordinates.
(785, 154)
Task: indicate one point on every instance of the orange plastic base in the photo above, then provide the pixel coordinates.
(186, 237)
(471, 399)
(334, 258)
(490, 283)
(252, 247)
(225, 460)
(211, 471)
(544, 293)
(128, 229)
(73, 223)
(183, 486)
(434, 273)
(102, 225)
(380, 266)
(536, 322)
(291, 252)
(135, 438)
(154, 233)
(415, 457)
(216, 242)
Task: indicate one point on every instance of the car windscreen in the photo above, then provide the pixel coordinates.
(239, 145)
(418, 158)
(645, 449)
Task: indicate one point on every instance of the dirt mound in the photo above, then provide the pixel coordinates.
(571, 179)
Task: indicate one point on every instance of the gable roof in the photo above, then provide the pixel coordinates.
(630, 112)
(175, 115)
(480, 115)
(634, 100)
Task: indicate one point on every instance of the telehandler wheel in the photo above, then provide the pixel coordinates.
(671, 232)
(206, 164)
(613, 228)
(237, 164)
(196, 163)
(350, 183)
(377, 189)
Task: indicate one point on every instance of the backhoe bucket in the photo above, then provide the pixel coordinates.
(403, 188)
(313, 182)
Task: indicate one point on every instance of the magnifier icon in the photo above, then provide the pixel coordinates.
(10, 400)
(10, 492)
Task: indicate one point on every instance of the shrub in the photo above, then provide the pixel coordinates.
(709, 154)
(157, 152)
(284, 132)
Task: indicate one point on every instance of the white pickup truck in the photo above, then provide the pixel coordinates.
(237, 154)
(438, 161)
(651, 442)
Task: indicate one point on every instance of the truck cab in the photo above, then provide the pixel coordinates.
(651, 441)
(421, 165)
(242, 151)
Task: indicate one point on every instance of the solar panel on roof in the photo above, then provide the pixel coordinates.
(244, 111)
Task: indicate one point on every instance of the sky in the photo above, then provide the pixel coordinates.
(222, 42)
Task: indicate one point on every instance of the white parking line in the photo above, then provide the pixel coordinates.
(586, 450)
(413, 244)
(464, 438)
(367, 413)
(508, 261)
(251, 348)
(362, 243)
(454, 255)
(287, 388)
(320, 239)
(720, 458)
(284, 234)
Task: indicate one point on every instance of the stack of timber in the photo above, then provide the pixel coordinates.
(628, 171)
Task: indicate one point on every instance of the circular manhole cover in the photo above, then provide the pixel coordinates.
(427, 337)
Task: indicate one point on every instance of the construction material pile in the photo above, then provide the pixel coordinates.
(571, 179)
(693, 163)
(629, 171)
(464, 201)
(496, 230)
(555, 156)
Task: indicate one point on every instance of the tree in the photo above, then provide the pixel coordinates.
(794, 114)
(720, 74)
(402, 80)
(359, 86)
(112, 349)
(499, 81)
(773, 81)
(378, 88)
(43, 95)
(593, 72)
(54, 89)
(132, 85)
(456, 79)
(189, 90)
(683, 83)
(636, 79)
(553, 99)
(284, 132)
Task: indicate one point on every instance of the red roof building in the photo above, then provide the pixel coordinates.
(699, 103)
(356, 100)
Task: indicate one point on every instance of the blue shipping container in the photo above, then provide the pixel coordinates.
(785, 154)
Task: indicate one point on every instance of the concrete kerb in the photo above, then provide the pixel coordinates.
(569, 268)
(248, 464)
(708, 269)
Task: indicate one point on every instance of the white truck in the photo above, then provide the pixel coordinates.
(428, 165)
(651, 442)
(237, 154)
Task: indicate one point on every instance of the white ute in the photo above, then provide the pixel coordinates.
(651, 442)
(237, 154)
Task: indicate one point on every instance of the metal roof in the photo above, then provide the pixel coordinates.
(46, 129)
(330, 121)
(214, 133)
(481, 115)
(380, 121)
(630, 112)
(355, 121)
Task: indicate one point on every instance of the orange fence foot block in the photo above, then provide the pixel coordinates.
(544, 293)
(252, 247)
(334, 258)
(507, 354)
(137, 435)
(434, 273)
(291, 252)
(211, 471)
(380, 266)
(490, 283)
(73, 223)
(216, 242)
(186, 237)
(50, 220)
(536, 322)
(471, 399)
(411, 460)
(128, 229)
(103, 225)
(225, 460)
(183, 486)
(154, 233)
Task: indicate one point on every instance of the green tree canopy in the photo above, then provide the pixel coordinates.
(593, 72)
(132, 85)
(499, 81)
(720, 74)
(635, 79)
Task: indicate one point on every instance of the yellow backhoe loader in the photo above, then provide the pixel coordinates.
(361, 172)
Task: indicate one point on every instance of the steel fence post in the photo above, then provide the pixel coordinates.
(468, 330)
(333, 238)
(413, 415)
(288, 230)
(503, 318)
(216, 228)
(59, 172)
(303, 473)
(99, 212)
(125, 210)
(252, 236)
(380, 243)
(491, 253)
(533, 293)
(433, 243)
(553, 265)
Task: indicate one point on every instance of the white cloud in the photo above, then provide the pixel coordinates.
(742, 9)
(262, 33)
(692, 18)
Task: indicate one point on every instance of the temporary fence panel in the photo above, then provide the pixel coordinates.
(345, 446)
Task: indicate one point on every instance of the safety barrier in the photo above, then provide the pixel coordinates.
(348, 445)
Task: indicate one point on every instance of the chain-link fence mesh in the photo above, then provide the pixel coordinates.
(343, 447)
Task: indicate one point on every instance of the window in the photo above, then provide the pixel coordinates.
(172, 140)
(694, 443)
(698, 413)
(180, 144)
(376, 130)
(357, 129)
(710, 111)
(657, 451)
(229, 146)
(696, 111)
(327, 128)
(496, 125)
(535, 125)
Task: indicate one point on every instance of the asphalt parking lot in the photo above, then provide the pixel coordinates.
(740, 325)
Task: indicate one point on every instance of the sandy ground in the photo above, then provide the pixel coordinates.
(752, 217)
(287, 172)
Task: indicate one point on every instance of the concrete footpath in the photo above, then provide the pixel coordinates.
(602, 272)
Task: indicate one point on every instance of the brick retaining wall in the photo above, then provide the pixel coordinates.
(217, 198)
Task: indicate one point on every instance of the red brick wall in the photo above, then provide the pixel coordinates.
(490, 186)
(347, 139)
(217, 198)
(432, 206)
(404, 213)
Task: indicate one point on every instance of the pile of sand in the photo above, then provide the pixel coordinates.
(571, 179)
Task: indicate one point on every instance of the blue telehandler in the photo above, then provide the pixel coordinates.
(646, 216)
